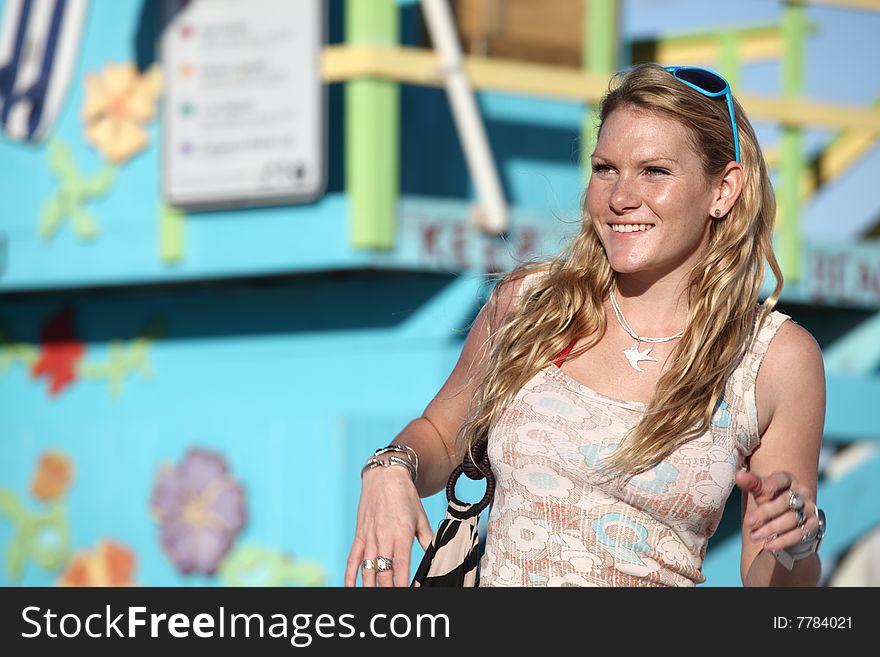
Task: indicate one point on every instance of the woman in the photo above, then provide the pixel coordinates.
(627, 385)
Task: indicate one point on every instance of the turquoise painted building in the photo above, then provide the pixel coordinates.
(188, 397)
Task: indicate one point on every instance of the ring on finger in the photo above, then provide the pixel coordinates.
(384, 564)
(795, 501)
(801, 517)
(369, 564)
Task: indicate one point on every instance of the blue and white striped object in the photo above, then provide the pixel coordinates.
(39, 42)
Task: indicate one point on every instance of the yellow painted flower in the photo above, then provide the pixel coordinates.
(119, 102)
(53, 476)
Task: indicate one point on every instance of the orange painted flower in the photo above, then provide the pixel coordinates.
(119, 102)
(53, 476)
(109, 564)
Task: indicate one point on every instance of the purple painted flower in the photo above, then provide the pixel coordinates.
(200, 509)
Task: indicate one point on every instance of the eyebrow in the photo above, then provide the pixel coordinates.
(645, 161)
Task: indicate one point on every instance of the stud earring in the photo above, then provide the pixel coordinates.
(717, 212)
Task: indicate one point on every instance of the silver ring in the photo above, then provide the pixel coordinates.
(795, 501)
(384, 564)
(801, 517)
(368, 564)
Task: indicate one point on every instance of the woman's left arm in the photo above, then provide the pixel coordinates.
(791, 391)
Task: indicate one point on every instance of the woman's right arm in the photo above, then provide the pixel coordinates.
(390, 513)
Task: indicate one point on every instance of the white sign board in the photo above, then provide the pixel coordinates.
(244, 102)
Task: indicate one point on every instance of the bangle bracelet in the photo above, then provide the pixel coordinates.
(374, 462)
(788, 556)
(371, 463)
(395, 460)
(400, 448)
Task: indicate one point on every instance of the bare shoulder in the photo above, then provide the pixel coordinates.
(792, 350)
(792, 371)
(509, 291)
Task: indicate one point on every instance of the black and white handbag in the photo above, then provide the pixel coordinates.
(453, 557)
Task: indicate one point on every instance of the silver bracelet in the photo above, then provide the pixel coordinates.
(371, 463)
(374, 462)
(787, 556)
(400, 448)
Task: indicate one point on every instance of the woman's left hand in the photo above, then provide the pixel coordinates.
(772, 519)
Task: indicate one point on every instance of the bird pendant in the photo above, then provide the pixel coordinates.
(633, 355)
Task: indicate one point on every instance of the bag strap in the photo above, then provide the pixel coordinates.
(470, 468)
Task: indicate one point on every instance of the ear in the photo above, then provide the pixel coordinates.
(727, 190)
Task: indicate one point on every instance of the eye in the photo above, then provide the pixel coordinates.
(601, 168)
(656, 171)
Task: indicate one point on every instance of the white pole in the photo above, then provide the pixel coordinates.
(493, 212)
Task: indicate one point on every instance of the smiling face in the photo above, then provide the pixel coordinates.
(648, 197)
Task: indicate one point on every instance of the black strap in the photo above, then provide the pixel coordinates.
(469, 468)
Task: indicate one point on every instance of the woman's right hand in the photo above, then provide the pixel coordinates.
(389, 515)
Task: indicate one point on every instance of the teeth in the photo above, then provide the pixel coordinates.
(630, 228)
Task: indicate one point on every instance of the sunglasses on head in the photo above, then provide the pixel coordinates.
(712, 85)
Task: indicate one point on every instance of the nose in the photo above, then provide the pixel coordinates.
(624, 195)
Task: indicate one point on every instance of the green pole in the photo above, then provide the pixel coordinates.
(372, 134)
(792, 160)
(728, 60)
(599, 56)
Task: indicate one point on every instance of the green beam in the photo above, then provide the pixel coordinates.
(372, 131)
(729, 61)
(793, 162)
(172, 223)
(600, 31)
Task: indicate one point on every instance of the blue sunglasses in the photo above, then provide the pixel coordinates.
(711, 85)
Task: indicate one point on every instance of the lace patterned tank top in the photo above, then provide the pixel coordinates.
(555, 522)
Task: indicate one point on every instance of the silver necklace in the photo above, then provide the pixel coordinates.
(633, 354)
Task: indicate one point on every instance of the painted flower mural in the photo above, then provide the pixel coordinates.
(109, 564)
(76, 190)
(60, 352)
(257, 565)
(119, 102)
(53, 476)
(200, 509)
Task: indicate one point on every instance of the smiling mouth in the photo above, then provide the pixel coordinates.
(631, 228)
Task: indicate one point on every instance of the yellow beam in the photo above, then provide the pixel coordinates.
(805, 113)
(752, 47)
(421, 66)
(832, 162)
(872, 5)
(843, 152)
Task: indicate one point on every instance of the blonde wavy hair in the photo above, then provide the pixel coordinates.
(567, 302)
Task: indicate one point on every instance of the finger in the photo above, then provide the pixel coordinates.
(385, 578)
(773, 486)
(781, 524)
(354, 562)
(424, 532)
(368, 575)
(793, 536)
(401, 557)
(766, 512)
(748, 482)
